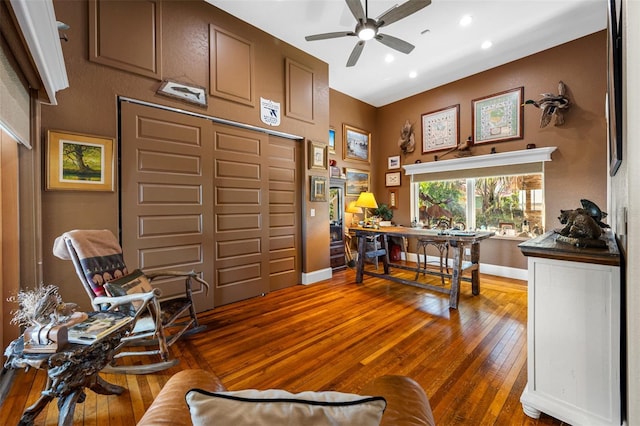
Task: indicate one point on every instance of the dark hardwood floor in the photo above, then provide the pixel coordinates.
(336, 335)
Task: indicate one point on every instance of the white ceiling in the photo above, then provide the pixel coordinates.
(444, 53)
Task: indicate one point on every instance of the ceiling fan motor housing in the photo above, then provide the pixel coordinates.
(367, 30)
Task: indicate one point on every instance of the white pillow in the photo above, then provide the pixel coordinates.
(277, 407)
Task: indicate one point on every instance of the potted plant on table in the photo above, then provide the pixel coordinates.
(384, 213)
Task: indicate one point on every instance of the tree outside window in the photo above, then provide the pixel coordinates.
(511, 205)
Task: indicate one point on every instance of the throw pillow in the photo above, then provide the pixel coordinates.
(135, 282)
(278, 407)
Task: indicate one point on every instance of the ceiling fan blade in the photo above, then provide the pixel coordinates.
(356, 10)
(355, 53)
(402, 11)
(329, 35)
(395, 43)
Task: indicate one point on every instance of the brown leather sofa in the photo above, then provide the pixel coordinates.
(407, 404)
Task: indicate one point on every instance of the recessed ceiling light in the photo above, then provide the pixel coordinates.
(389, 58)
(413, 74)
(486, 44)
(465, 20)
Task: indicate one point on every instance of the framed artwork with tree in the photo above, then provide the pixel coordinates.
(79, 162)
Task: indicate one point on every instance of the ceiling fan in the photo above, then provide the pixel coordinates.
(367, 28)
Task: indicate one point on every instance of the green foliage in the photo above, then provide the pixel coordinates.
(499, 201)
(496, 200)
(451, 195)
(384, 212)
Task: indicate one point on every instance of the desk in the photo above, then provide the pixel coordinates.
(69, 372)
(457, 242)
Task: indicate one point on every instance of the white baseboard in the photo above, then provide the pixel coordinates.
(485, 268)
(316, 276)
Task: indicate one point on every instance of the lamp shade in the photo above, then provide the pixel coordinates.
(367, 200)
(352, 208)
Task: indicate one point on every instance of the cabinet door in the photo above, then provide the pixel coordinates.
(574, 340)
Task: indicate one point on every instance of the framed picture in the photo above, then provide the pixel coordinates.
(357, 181)
(332, 140)
(441, 129)
(614, 89)
(318, 156)
(318, 188)
(392, 178)
(356, 143)
(393, 198)
(393, 162)
(185, 92)
(499, 117)
(79, 162)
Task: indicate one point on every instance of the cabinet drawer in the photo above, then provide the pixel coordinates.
(334, 251)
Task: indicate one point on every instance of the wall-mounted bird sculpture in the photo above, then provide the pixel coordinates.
(552, 105)
(407, 141)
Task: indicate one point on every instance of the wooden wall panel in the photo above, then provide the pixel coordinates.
(9, 237)
(231, 66)
(127, 35)
(299, 91)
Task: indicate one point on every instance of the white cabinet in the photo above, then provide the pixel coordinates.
(574, 332)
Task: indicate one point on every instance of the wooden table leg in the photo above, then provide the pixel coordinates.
(67, 406)
(101, 386)
(32, 411)
(475, 273)
(362, 240)
(385, 258)
(454, 295)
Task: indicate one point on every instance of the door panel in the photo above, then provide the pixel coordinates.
(210, 197)
(166, 171)
(241, 214)
(284, 213)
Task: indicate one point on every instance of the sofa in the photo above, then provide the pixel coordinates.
(407, 403)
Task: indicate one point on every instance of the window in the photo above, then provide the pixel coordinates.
(508, 205)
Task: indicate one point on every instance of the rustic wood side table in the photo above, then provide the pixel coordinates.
(69, 372)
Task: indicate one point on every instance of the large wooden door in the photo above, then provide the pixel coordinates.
(241, 214)
(215, 198)
(284, 213)
(165, 189)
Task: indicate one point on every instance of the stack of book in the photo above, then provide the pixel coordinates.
(97, 326)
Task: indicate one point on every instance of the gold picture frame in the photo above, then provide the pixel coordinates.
(356, 144)
(332, 140)
(357, 181)
(318, 155)
(79, 162)
(318, 190)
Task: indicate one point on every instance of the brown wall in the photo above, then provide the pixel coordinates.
(347, 110)
(89, 106)
(578, 169)
(579, 166)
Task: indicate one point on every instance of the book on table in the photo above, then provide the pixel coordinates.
(97, 326)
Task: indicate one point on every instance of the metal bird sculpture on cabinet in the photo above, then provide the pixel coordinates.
(551, 105)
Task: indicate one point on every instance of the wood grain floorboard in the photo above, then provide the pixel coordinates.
(336, 335)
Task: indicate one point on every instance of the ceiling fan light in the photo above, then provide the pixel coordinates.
(366, 33)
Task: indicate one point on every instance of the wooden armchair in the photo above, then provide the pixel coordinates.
(97, 258)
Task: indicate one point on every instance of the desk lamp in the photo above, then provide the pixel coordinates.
(366, 200)
(353, 209)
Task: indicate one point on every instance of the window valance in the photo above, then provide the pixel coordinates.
(500, 164)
